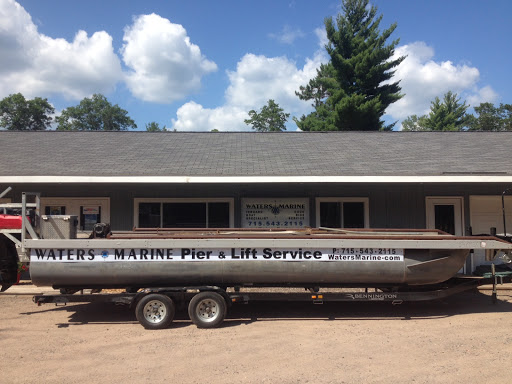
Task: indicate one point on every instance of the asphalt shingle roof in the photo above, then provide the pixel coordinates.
(51, 153)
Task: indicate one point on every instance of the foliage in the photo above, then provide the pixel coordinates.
(320, 88)
(414, 123)
(19, 114)
(155, 127)
(94, 114)
(491, 118)
(22, 267)
(271, 118)
(353, 90)
(448, 115)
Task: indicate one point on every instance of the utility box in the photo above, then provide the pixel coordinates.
(59, 226)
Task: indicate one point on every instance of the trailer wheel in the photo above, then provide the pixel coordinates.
(155, 311)
(207, 309)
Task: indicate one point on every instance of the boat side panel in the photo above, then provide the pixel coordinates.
(418, 267)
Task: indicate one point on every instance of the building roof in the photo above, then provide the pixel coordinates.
(246, 156)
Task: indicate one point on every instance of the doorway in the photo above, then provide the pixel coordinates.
(445, 214)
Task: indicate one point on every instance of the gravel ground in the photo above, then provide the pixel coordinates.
(461, 339)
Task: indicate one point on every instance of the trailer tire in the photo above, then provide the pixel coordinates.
(155, 311)
(207, 309)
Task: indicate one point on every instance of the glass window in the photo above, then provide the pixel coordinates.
(342, 214)
(149, 215)
(353, 215)
(89, 215)
(184, 215)
(218, 215)
(445, 218)
(55, 210)
(330, 214)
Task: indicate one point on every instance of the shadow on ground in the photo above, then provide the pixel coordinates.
(460, 304)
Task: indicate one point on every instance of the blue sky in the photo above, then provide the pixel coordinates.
(200, 65)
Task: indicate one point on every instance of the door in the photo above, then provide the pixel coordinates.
(486, 212)
(445, 214)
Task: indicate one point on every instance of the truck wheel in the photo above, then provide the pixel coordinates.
(207, 309)
(155, 311)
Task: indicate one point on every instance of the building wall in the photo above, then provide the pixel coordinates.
(390, 205)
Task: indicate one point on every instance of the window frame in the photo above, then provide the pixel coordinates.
(341, 200)
(138, 200)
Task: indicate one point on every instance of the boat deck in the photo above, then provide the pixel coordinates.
(300, 233)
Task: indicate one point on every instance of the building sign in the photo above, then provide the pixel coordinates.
(275, 213)
(91, 210)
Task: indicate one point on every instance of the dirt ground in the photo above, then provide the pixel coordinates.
(461, 339)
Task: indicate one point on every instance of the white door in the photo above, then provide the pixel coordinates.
(445, 214)
(486, 212)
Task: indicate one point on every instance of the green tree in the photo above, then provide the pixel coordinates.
(19, 114)
(94, 114)
(414, 123)
(270, 118)
(491, 118)
(447, 115)
(155, 127)
(353, 91)
(320, 87)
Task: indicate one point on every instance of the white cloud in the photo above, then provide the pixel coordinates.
(288, 35)
(321, 35)
(37, 65)
(482, 95)
(259, 78)
(422, 79)
(165, 65)
(193, 117)
(256, 80)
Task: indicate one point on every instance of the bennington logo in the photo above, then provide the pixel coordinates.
(377, 296)
(275, 208)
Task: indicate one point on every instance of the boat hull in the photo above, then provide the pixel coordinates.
(412, 267)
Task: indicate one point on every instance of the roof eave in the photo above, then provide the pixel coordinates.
(252, 179)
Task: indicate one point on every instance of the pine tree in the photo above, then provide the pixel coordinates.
(447, 115)
(353, 91)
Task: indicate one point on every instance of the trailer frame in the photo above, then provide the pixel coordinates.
(183, 296)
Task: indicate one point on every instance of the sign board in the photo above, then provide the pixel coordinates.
(91, 210)
(226, 254)
(275, 213)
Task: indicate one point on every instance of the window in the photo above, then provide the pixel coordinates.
(89, 215)
(183, 213)
(342, 212)
(89, 210)
(149, 215)
(55, 210)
